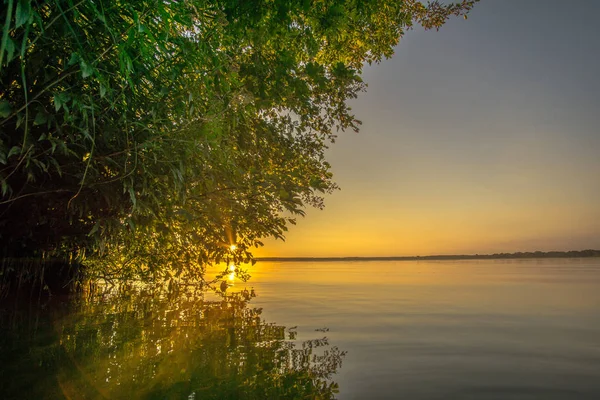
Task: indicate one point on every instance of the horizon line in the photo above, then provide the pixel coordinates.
(525, 254)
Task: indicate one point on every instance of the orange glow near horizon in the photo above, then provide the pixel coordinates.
(389, 227)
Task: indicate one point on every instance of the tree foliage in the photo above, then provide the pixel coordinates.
(154, 134)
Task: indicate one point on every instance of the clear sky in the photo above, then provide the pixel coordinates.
(482, 137)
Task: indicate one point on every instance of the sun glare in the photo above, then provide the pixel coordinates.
(231, 267)
(232, 247)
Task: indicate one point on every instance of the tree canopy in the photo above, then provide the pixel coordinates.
(149, 136)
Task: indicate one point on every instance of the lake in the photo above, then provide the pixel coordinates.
(477, 329)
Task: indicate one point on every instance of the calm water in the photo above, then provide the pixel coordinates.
(527, 329)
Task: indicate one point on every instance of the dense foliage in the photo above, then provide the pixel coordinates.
(152, 135)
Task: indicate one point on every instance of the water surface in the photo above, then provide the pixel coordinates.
(493, 329)
(489, 329)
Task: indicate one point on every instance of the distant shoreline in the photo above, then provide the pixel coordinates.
(496, 256)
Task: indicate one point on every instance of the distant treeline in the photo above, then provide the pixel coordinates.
(529, 254)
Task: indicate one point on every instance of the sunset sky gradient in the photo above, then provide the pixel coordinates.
(483, 137)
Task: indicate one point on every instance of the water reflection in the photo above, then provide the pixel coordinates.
(148, 343)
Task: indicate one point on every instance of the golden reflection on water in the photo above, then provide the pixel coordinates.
(502, 285)
(149, 343)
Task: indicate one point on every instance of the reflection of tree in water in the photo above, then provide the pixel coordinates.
(148, 344)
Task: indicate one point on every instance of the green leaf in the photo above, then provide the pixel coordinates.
(20, 119)
(74, 59)
(10, 50)
(94, 229)
(60, 100)
(5, 187)
(23, 13)
(57, 102)
(5, 109)
(86, 69)
(132, 196)
(40, 165)
(56, 166)
(6, 30)
(14, 150)
(40, 118)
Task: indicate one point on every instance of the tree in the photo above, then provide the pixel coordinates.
(151, 136)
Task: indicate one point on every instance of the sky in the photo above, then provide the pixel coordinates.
(483, 137)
